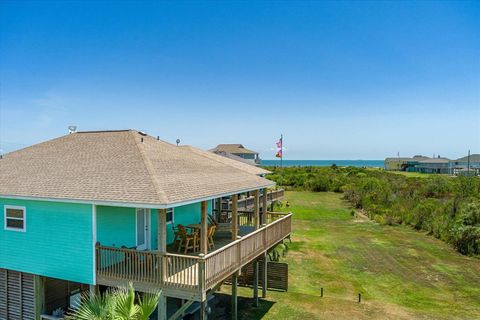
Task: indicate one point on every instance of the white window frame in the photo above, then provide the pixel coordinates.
(173, 215)
(24, 229)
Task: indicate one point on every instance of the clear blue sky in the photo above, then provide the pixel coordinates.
(340, 80)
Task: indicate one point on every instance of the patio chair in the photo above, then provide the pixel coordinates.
(187, 241)
(211, 220)
(176, 239)
(210, 234)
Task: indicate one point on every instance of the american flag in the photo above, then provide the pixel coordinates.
(279, 153)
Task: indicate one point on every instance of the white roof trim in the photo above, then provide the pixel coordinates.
(131, 204)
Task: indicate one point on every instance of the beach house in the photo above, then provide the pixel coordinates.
(433, 165)
(91, 210)
(234, 150)
(404, 163)
(468, 165)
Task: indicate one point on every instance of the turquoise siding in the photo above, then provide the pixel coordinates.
(58, 241)
(182, 215)
(116, 226)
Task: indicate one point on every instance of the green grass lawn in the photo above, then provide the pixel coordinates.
(418, 174)
(401, 273)
(411, 174)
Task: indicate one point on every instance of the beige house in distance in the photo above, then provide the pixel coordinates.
(235, 151)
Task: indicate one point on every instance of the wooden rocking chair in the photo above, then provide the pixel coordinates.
(210, 234)
(187, 241)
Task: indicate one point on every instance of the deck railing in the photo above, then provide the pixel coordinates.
(245, 208)
(120, 263)
(249, 202)
(275, 194)
(192, 273)
(223, 262)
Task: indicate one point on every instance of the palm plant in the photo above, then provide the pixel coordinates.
(116, 304)
(279, 251)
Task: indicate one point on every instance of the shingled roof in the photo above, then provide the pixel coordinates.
(234, 161)
(125, 167)
(235, 148)
(473, 158)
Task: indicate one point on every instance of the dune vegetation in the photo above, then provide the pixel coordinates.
(402, 273)
(447, 208)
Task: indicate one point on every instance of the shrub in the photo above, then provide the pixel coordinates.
(446, 207)
(466, 239)
(318, 184)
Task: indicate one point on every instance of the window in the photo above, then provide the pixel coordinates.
(15, 218)
(170, 215)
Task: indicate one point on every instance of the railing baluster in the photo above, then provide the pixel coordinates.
(187, 272)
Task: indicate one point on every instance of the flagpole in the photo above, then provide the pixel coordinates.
(281, 159)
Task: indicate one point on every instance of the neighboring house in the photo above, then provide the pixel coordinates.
(396, 164)
(433, 165)
(461, 166)
(238, 150)
(95, 209)
(403, 164)
(468, 165)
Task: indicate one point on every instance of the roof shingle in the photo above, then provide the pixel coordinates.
(120, 166)
(234, 148)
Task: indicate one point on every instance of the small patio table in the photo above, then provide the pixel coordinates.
(194, 226)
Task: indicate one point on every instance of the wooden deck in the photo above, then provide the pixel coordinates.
(188, 276)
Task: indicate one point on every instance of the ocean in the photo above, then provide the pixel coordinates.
(324, 163)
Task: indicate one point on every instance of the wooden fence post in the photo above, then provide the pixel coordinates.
(255, 282)
(264, 275)
(202, 286)
(203, 228)
(234, 296)
(256, 206)
(234, 217)
(264, 206)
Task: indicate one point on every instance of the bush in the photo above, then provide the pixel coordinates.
(422, 215)
(466, 239)
(379, 218)
(318, 184)
(446, 207)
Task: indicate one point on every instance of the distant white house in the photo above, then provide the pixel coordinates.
(466, 165)
(235, 151)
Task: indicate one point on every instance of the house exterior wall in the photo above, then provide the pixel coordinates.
(249, 156)
(395, 164)
(464, 164)
(116, 226)
(185, 215)
(57, 243)
(432, 167)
